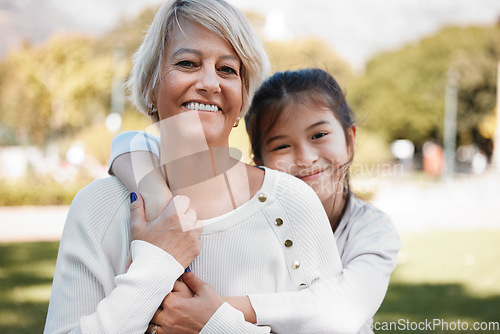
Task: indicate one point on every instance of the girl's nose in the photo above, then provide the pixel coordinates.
(305, 157)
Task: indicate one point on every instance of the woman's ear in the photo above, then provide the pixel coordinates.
(152, 98)
(156, 117)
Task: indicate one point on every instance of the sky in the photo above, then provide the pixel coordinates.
(356, 29)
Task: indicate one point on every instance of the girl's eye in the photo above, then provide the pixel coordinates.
(281, 147)
(228, 70)
(319, 135)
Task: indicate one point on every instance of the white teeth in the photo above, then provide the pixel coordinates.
(201, 106)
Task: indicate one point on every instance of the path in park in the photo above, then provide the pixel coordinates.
(468, 202)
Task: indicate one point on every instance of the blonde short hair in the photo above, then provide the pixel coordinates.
(217, 16)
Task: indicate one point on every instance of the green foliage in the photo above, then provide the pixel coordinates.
(128, 33)
(402, 92)
(54, 89)
(37, 190)
(96, 138)
(61, 90)
(305, 53)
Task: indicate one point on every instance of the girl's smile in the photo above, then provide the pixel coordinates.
(310, 145)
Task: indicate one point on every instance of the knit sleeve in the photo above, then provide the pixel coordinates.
(341, 304)
(229, 320)
(90, 291)
(130, 141)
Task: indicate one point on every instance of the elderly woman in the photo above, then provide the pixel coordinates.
(263, 230)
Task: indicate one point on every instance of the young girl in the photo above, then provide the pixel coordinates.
(300, 123)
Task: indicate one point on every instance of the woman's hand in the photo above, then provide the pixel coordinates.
(176, 230)
(188, 307)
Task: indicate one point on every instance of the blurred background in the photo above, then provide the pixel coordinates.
(422, 77)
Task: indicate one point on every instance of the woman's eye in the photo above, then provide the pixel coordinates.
(186, 64)
(281, 147)
(319, 135)
(228, 70)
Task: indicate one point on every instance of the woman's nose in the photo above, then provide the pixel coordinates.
(208, 81)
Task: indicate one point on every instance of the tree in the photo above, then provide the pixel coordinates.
(305, 53)
(54, 89)
(401, 94)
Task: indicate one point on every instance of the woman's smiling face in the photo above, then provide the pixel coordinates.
(309, 144)
(201, 74)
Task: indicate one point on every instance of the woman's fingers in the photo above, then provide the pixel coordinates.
(193, 283)
(137, 218)
(182, 289)
(156, 318)
(179, 208)
(188, 221)
(178, 204)
(175, 230)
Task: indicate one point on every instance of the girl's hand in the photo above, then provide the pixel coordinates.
(176, 230)
(188, 307)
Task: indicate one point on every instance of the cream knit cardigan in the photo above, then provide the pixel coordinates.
(243, 252)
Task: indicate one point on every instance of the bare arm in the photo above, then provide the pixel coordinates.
(243, 305)
(139, 171)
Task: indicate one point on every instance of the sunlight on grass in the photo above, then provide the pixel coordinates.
(445, 275)
(39, 293)
(452, 257)
(26, 271)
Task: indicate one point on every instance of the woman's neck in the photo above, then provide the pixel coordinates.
(205, 171)
(215, 182)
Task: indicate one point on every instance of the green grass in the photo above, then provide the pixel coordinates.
(441, 275)
(448, 276)
(26, 271)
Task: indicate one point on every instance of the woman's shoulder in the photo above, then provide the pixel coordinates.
(290, 186)
(297, 199)
(101, 191)
(99, 202)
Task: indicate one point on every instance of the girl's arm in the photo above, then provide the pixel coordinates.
(345, 303)
(135, 161)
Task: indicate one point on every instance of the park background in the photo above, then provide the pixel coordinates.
(422, 77)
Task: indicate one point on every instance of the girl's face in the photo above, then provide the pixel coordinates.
(201, 75)
(310, 145)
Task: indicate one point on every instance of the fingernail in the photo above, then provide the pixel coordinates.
(187, 270)
(133, 197)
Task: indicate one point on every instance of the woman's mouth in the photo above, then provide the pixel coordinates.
(201, 107)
